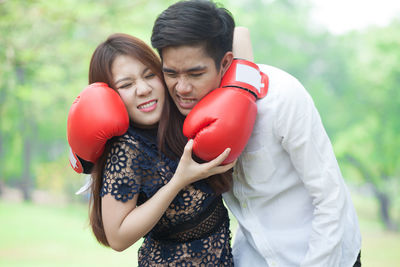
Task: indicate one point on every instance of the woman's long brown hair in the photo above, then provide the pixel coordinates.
(171, 140)
(100, 71)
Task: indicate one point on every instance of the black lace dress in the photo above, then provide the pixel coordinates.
(194, 230)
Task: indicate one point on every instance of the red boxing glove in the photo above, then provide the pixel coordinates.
(97, 114)
(225, 117)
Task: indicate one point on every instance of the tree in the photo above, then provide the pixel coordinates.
(353, 80)
(46, 47)
(371, 143)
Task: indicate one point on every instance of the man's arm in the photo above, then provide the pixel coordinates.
(311, 153)
(241, 46)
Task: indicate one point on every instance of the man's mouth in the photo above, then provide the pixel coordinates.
(187, 103)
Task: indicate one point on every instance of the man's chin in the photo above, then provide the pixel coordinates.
(184, 112)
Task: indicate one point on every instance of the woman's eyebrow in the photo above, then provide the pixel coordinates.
(122, 79)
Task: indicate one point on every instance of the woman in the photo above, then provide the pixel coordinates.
(138, 191)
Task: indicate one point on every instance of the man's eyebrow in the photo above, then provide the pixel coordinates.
(194, 69)
(164, 69)
(197, 68)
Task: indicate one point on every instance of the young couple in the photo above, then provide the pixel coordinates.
(285, 190)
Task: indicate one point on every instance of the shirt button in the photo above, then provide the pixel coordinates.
(244, 205)
(273, 264)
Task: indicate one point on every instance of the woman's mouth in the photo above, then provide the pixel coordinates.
(148, 106)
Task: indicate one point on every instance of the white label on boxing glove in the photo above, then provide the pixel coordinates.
(249, 75)
(72, 159)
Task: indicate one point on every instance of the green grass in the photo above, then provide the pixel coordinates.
(38, 235)
(379, 247)
(33, 235)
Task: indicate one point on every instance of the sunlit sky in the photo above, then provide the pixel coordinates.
(340, 16)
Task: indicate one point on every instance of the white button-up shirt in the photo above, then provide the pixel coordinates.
(288, 194)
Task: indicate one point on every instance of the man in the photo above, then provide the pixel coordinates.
(288, 194)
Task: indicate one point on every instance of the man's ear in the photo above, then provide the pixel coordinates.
(226, 62)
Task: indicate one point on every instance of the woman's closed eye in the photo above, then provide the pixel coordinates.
(149, 75)
(125, 85)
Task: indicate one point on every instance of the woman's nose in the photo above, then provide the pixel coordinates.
(143, 88)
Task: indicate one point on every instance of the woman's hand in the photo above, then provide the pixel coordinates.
(125, 223)
(189, 171)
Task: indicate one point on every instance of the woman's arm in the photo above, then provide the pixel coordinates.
(124, 223)
(241, 46)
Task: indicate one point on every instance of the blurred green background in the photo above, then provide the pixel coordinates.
(45, 48)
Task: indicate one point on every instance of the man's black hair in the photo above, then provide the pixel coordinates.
(195, 22)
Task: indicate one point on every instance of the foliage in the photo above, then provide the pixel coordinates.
(353, 80)
(371, 143)
(45, 49)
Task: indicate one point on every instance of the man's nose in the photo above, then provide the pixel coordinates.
(183, 86)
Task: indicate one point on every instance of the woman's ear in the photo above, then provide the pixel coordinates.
(226, 62)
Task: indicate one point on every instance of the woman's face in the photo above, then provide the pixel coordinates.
(141, 90)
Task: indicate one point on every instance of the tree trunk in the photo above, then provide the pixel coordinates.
(26, 181)
(1, 164)
(382, 197)
(1, 187)
(26, 126)
(384, 210)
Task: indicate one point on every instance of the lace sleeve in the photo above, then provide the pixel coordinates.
(119, 179)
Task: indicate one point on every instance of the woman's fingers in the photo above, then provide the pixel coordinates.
(228, 166)
(205, 169)
(187, 152)
(222, 168)
(218, 160)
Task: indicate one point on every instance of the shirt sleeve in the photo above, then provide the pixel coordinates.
(119, 177)
(311, 153)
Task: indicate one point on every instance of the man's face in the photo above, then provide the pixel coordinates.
(190, 74)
